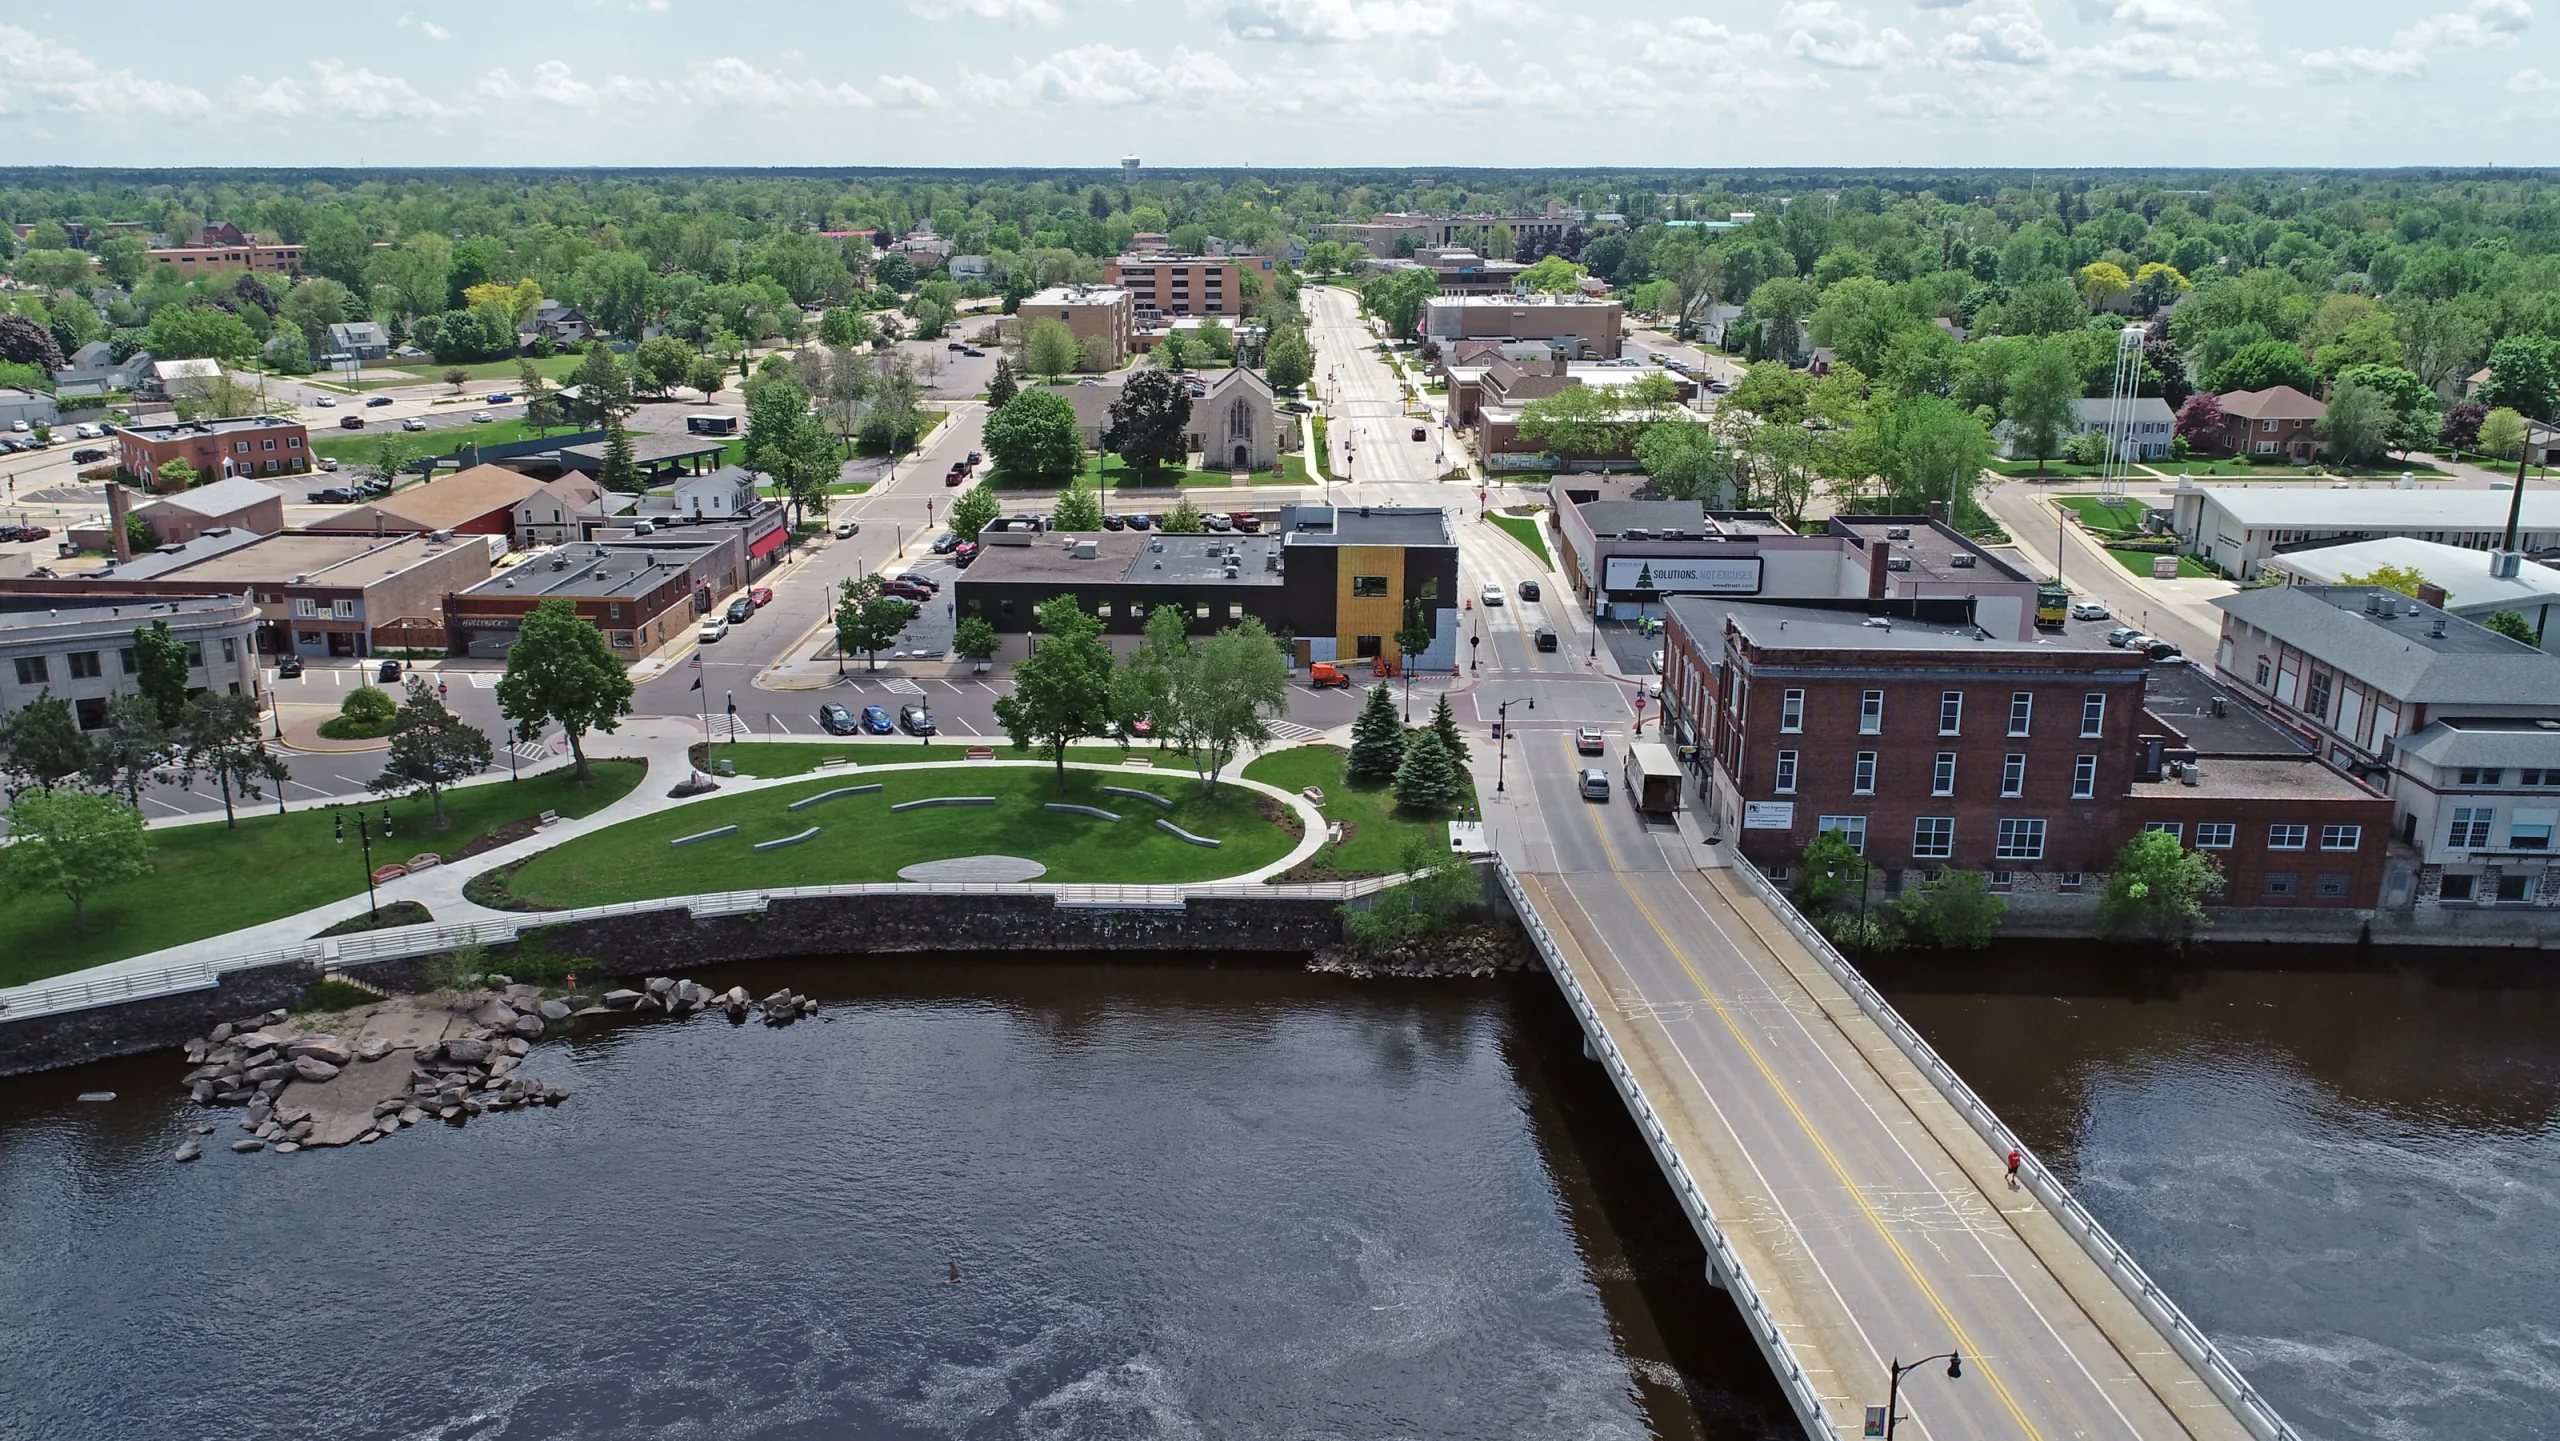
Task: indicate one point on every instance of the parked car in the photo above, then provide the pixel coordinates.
(377, 402)
(847, 529)
(1589, 740)
(956, 475)
(760, 596)
(1214, 521)
(2162, 650)
(915, 720)
(973, 457)
(2121, 636)
(741, 611)
(1246, 521)
(388, 672)
(413, 423)
(1491, 594)
(501, 397)
(712, 629)
(329, 463)
(876, 721)
(1595, 784)
(1140, 520)
(946, 542)
(1324, 673)
(331, 495)
(905, 589)
(327, 402)
(288, 666)
(2088, 610)
(481, 417)
(1528, 590)
(351, 422)
(1420, 434)
(955, 345)
(963, 553)
(1115, 522)
(836, 720)
(89, 456)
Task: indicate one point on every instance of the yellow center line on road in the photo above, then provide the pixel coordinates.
(1857, 1193)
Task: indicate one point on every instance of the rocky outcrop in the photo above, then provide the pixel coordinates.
(1474, 951)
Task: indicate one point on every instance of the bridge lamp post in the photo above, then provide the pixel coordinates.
(1882, 1426)
(1502, 737)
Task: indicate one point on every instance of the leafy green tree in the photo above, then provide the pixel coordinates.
(1444, 889)
(2413, 407)
(1034, 438)
(1183, 519)
(1377, 740)
(972, 509)
(2402, 578)
(1413, 637)
(132, 748)
(185, 332)
(1050, 348)
(1226, 692)
(1079, 507)
(1955, 911)
(1396, 298)
(843, 327)
(2524, 376)
(2041, 403)
(2043, 307)
(160, 670)
(431, 748)
(1150, 424)
(2358, 424)
(1932, 449)
(2513, 625)
(72, 843)
(1552, 275)
(125, 257)
(2156, 890)
(1428, 778)
(604, 386)
(1143, 688)
(1001, 386)
(974, 638)
(804, 465)
(775, 408)
(868, 618)
(369, 706)
(221, 736)
(1772, 319)
(2263, 365)
(706, 375)
(661, 364)
(1288, 360)
(1688, 461)
(560, 669)
(1444, 724)
(1062, 690)
(41, 743)
(2503, 433)
(1830, 872)
(1577, 420)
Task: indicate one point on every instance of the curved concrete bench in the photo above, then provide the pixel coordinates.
(704, 836)
(787, 840)
(1211, 843)
(1097, 812)
(1136, 795)
(942, 801)
(805, 802)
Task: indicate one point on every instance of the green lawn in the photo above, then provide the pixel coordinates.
(360, 445)
(1524, 530)
(2051, 469)
(2114, 517)
(1381, 830)
(860, 840)
(1107, 472)
(556, 368)
(1324, 457)
(206, 880)
(2139, 562)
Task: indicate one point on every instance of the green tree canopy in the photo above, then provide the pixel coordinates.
(2156, 891)
(1034, 438)
(972, 509)
(868, 618)
(1062, 690)
(2263, 365)
(1150, 424)
(431, 748)
(72, 843)
(560, 669)
(1050, 348)
(2042, 405)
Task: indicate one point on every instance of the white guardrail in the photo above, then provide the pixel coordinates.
(403, 942)
(2184, 1335)
(1728, 1271)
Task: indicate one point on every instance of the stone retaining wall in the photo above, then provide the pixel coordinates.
(69, 1038)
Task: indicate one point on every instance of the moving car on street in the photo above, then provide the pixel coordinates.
(712, 629)
(1589, 740)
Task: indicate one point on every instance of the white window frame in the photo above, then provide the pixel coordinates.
(2013, 774)
(2021, 838)
(1862, 774)
(2288, 836)
(1942, 774)
(2470, 828)
(1854, 827)
(1786, 777)
(2093, 715)
(2022, 712)
(1933, 838)
(2177, 830)
(2217, 835)
(1791, 712)
(1871, 713)
(1951, 712)
(2341, 838)
(2084, 777)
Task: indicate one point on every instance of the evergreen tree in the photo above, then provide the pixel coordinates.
(1377, 740)
(1444, 724)
(1429, 779)
(1002, 387)
(620, 472)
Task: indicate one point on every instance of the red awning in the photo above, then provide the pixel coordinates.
(772, 541)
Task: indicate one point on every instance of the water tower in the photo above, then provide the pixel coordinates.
(1128, 169)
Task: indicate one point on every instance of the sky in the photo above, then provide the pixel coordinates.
(1076, 83)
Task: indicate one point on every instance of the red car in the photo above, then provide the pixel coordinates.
(904, 589)
(963, 553)
(761, 595)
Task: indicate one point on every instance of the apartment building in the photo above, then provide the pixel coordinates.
(1171, 285)
(243, 254)
(1584, 328)
(215, 449)
(1094, 312)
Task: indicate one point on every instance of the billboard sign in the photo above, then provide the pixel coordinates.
(1682, 575)
(1768, 815)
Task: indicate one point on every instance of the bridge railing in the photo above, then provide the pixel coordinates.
(2184, 1335)
(408, 942)
(1783, 1364)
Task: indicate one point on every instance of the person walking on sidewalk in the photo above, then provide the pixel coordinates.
(2013, 1168)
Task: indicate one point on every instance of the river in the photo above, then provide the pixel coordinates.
(2343, 1164)
(1184, 1200)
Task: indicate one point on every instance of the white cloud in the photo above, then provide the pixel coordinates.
(734, 83)
(2358, 62)
(355, 92)
(553, 84)
(1333, 22)
(2530, 81)
(2169, 15)
(428, 28)
(907, 91)
(1698, 45)
(2011, 37)
(1826, 34)
(2480, 25)
(1106, 75)
(1031, 12)
(37, 75)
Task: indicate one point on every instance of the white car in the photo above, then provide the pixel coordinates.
(413, 423)
(1491, 594)
(712, 629)
(326, 402)
(2088, 610)
(481, 417)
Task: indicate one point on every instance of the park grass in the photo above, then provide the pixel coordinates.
(770, 760)
(2139, 562)
(1323, 457)
(359, 445)
(555, 368)
(2050, 470)
(2117, 518)
(1381, 830)
(206, 880)
(860, 840)
(1523, 529)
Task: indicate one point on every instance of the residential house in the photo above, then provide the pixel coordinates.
(239, 503)
(568, 507)
(94, 371)
(362, 340)
(171, 379)
(724, 494)
(560, 324)
(2151, 427)
(2279, 420)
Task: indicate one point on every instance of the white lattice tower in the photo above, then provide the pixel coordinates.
(2121, 393)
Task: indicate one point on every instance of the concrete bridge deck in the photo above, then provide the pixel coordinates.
(1865, 1210)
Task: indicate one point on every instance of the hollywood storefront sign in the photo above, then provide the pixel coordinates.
(1676, 575)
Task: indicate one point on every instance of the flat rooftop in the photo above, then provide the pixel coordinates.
(1400, 525)
(321, 558)
(29, 613)
(587, 569)
(1935, 552)
(2296, 505)
(2299, 777)
(1128, 557)
(655, 448)
(200, 429)
(2463, 572)
(1786, 627)
(1614, 518)
(2182, 698)
(1079, 295)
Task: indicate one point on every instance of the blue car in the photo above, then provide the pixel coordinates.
(875, 719)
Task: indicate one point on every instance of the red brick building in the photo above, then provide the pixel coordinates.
(2279, 420)
(260, 445)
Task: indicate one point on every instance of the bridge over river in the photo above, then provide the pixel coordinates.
(1849, 1188)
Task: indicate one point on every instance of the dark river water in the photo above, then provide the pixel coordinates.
(2344, 1165)
(1245, 1202)
(1185, 1201)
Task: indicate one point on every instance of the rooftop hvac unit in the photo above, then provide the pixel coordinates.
(1897, 532)
(1962, 562)
(1897, 562)
(1088, 550)
(2437, 628)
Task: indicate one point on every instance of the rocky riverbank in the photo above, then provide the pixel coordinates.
(1477, 950)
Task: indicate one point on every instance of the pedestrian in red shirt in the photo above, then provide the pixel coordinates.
(2013, 1168)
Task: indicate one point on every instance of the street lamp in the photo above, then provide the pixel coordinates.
(1473, 661)
(364, 837)
(1502, 738)
(1880, 1421)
